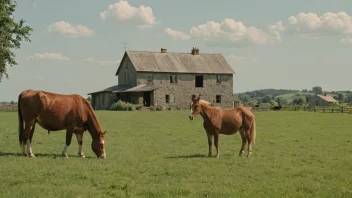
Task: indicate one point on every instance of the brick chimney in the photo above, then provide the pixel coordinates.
(195, 51)
(163, 50)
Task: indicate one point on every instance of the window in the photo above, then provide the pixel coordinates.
(218, 98)
(199, 81)
(218, 79)
(173, 79)
(150, 77)
(167, 99)
(126, 79)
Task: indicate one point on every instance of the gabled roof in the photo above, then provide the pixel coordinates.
(207, 63)
(327, 98)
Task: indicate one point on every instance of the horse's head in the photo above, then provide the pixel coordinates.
(98, 145)
(195, 107)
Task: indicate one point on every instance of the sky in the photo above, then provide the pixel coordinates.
(77, 45)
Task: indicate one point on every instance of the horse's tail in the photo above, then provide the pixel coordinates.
(253, 131)
(20, 120)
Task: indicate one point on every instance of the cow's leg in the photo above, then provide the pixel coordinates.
(79, 137)
(69, 133)
(216, 143)
(29, 126)
(244, 139)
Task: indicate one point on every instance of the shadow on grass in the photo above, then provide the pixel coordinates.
(187, 156)
(5, 154)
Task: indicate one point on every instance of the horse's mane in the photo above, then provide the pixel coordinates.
(201, 101)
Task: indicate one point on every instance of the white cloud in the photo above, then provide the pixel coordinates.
(347, 40)
(142, 16)
(72, 31)
(102, 62)
(177, 34)
(328, 24)
(49, 56)
(231, 33)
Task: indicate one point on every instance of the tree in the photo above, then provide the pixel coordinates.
(340, 96)
(281, 100)
(11, 35)
(244, 97)
(267, 99)
(317, 90)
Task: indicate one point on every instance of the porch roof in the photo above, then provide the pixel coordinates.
(112, 89)
(138, 88)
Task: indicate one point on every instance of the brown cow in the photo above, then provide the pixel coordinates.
(55, 112)
(225, 121)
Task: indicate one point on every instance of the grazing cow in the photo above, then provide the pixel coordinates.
(225, 121)
(277, 108)
(55, 112)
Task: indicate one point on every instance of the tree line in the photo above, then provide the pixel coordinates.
(299, 97)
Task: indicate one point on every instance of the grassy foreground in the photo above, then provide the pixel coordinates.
(162, 154)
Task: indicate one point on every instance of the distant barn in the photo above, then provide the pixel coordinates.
(321, 100)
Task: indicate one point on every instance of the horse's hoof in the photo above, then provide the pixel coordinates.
(81, 155)
(65, 155)
(31, 156)
(217, 157)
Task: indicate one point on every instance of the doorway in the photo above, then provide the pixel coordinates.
(146, 99)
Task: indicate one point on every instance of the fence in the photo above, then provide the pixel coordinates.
(328, 109)
(6, 107)
(322, 109)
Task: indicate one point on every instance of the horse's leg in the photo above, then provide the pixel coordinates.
(244, 139)
(32, 132)
(209, 143)
(248, 135)
(29, 126)
(79, 137)
(216, 142)
(69, 133)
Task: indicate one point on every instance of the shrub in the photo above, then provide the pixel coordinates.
(121, 106)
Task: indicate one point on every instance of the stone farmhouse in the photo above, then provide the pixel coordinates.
(321, 100)
(168, 80)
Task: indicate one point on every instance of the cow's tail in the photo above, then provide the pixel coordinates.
(253, 131)
(20, 121)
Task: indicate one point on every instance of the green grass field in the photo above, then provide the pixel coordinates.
(162, 154)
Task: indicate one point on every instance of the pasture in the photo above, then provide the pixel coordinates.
(162, 154)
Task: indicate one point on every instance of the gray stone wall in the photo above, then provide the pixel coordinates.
(183, 90)
(127, 68)
(103, 101)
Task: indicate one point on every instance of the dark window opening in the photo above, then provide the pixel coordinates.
(218, 98)
(218, 79)
(167, 98)
(199, 81)
(173, 79)
(150, 77)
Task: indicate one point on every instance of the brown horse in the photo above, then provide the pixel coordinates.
(225, 121)
(55, 112)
